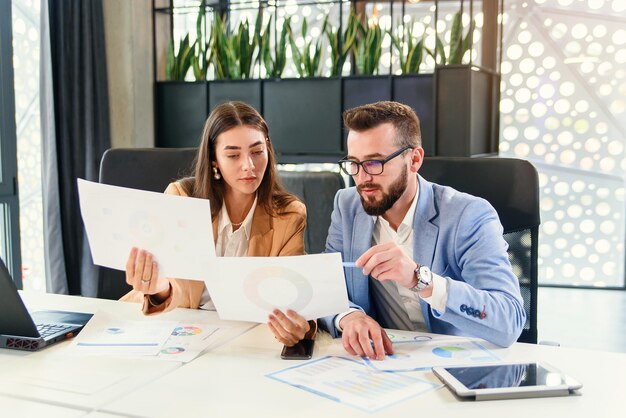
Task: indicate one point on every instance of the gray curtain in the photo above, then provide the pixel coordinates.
(75, 125)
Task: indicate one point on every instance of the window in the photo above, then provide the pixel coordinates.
(563, 108)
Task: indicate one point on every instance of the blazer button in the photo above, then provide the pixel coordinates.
(463, 308)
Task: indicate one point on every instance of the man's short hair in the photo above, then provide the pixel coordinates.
(401, 116)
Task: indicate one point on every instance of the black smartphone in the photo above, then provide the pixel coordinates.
(303, 350)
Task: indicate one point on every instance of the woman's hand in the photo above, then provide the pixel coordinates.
(288, 328)
(142, 273)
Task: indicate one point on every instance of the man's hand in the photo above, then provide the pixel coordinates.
(360, 333)
(388, 262)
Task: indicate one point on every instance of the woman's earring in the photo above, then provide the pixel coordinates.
(216, 174)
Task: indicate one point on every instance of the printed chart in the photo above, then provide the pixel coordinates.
(352, 383)
(421, 355)
(187, 341)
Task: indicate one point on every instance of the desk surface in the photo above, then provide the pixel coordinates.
(229, 380)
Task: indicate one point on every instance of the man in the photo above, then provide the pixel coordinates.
(428, 258)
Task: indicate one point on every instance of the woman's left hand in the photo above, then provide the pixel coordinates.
(288, 328)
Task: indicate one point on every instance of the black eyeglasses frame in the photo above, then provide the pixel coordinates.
(359, 164)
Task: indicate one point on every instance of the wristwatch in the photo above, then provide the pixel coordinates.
(424, 278)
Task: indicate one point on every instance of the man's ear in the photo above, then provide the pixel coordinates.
(417, 158)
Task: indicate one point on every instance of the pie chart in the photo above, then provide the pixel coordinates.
(172, 350)
(451, 351)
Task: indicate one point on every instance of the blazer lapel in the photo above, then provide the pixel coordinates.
(261, 233)
(362, 229)
(425, 232)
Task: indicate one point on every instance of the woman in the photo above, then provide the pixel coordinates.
(252, 215)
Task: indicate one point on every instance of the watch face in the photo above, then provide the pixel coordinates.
(425, 275)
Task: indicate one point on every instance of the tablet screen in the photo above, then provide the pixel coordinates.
(506, 376)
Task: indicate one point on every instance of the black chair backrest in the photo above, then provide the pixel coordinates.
(317, 190)
(512, 188)
(154, 168)
(149, 169)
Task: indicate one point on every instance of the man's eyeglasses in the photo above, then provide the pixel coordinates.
(371, 167)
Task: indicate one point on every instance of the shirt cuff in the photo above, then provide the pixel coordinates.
(339, 317)
(439, 297)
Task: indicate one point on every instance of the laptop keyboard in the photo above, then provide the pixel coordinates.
(46, 330)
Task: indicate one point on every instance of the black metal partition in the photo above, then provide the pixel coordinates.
(456, 100)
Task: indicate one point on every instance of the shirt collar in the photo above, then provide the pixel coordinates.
(224, 222)
(408, 218)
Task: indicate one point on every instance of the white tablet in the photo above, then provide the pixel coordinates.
(505, 381)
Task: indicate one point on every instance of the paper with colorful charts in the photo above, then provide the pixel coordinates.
(174, 229)
(249, 288)
(425, 351)
(187, 341)
(351, 383)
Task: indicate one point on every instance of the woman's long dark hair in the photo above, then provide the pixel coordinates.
(272, 196)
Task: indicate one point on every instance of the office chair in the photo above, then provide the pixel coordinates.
(317, 190)
(149, 169)
(154, 168)
(512, 188)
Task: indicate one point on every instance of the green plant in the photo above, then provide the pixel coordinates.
(459, 44)
(274, 66)
(367, 48)
(410, 52)
(178, 63)
(203, 52)
(232, 54)
(308, 60)
(340, 43)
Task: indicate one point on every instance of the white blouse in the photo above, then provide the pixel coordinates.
(229, 243)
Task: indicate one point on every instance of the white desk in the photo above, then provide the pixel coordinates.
(20, 370)
(16, 407)
(229, 380)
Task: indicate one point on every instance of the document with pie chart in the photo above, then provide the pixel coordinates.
(424, 354)
(249, 288)
(176, 230)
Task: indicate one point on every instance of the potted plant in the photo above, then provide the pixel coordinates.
(467, 97)
(304, 113)
(410, 87)
(233, 58)
(367, 87)
(181, 105)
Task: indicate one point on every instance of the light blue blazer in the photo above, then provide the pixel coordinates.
(459, 237)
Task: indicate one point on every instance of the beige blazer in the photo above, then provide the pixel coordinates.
(269, 236)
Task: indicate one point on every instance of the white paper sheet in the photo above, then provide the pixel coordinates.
(351, 382)
(107, 334)
(187, 341)
(176, 230)
(249, 288)
(424, 354)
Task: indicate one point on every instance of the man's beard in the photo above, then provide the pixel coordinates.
(378, 208)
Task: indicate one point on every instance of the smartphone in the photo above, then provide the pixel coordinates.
(303, 350)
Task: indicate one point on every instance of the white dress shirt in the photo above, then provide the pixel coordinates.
(229, 243)
(403, 237)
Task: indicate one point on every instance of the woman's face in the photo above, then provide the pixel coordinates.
(241, 158)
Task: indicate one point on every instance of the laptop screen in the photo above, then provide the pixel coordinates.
(14, 317)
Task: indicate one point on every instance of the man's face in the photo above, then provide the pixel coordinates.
(379, 192)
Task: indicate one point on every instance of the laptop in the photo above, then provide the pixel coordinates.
(22, 330)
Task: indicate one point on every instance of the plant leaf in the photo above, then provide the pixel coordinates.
(465, 46)
(455, 39)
